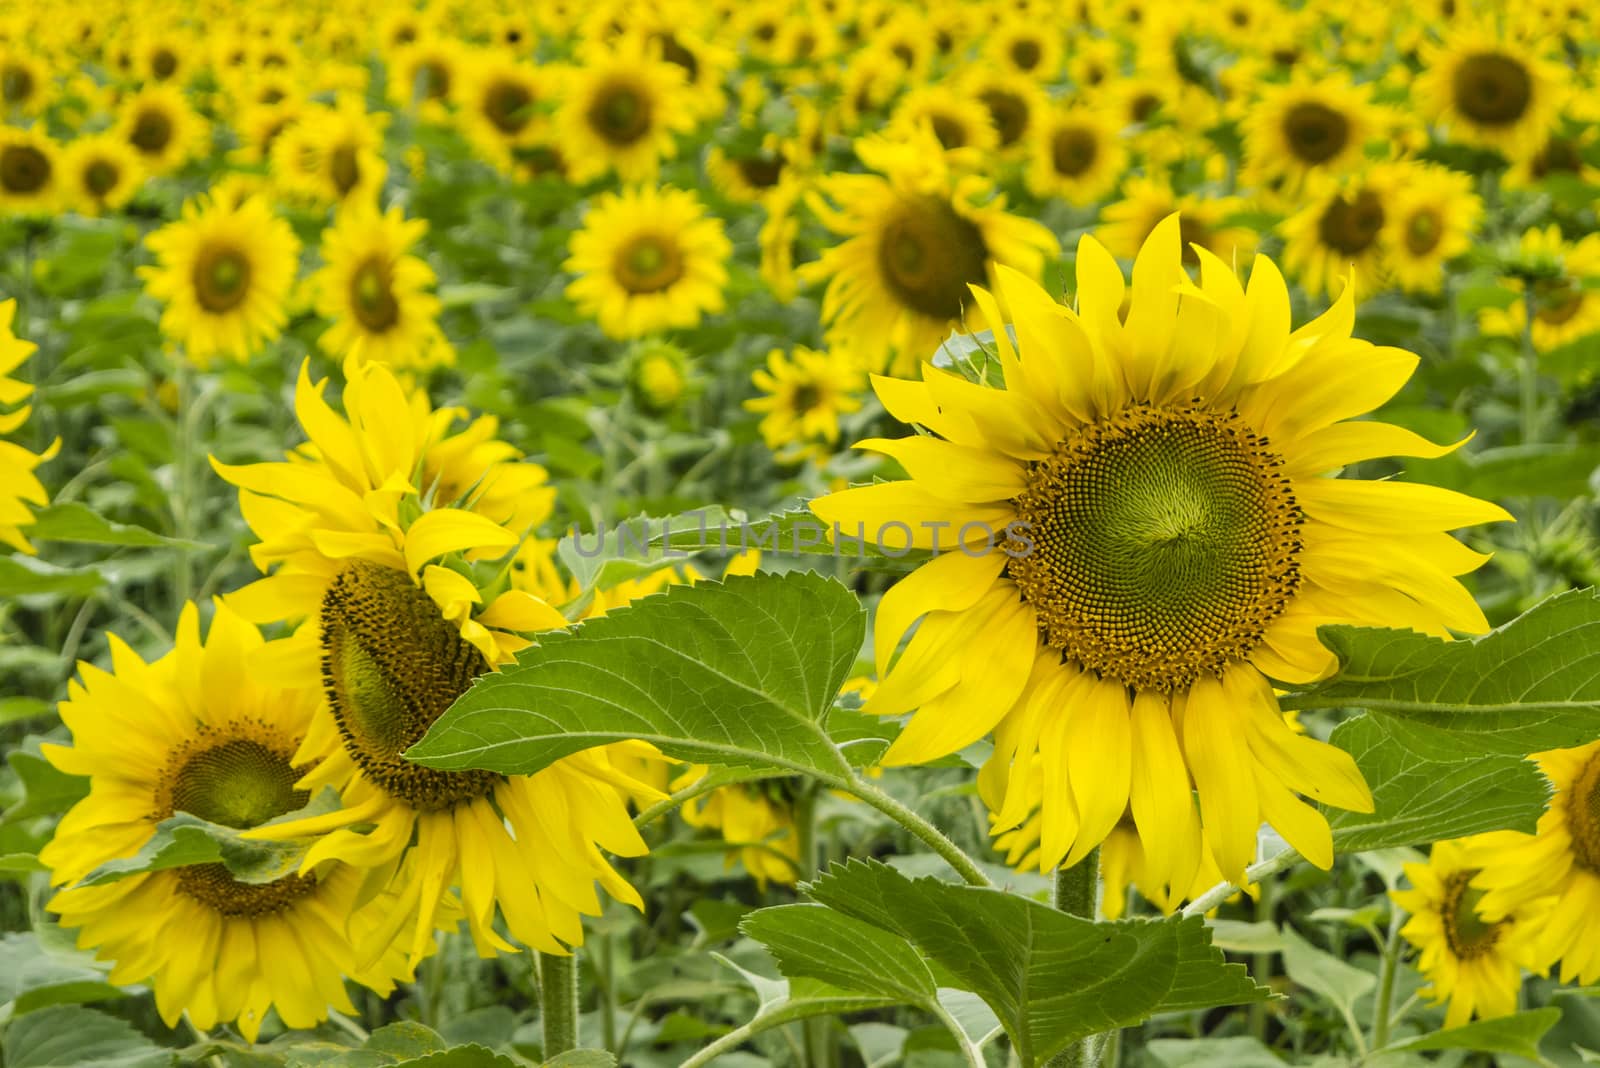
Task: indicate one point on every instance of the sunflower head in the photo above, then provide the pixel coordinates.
(30, 172)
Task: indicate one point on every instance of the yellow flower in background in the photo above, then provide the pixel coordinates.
(223, 271)
(622, 108)
(1182, 432)
(426, 74)
(1491, 90)
(201, 731)
(1126, 225)
(648, 260)
(955, 118)
(19, 486)
(750, 177)
(916, 235)
(704, 61)
(1030, 47)
(25, 82)
(658, 376)
(375, 292)
(1565, 305)
(504, 104)
(1076, 154)
(1015, 104)
(1435, 215)
(803, 396)
(777, 237)
(30, 172)
(1309, 126)
(1473, 963)
(756, 819)
(1343, 233)
(100, 173)
(331, 155)
(161, 126)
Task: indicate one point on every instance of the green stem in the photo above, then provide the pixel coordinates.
(817, 1032)
(1253, 874)
(1391, 961)
(776, 1018)
(929, 834)
(558, 1001)
(1530, 369)
(605, 972)
(704, 785)
(1077, 893)
(1261, 965)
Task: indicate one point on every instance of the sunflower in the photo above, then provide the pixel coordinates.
(162, 57)
(503, 103)
(1563, 153)
(1491, 90)
(956, 119)
(1566, 302)
(1435, 215)
(259, 126)
(1030, 47)
(1077, 154)
(1309, 126)
(1149, 541)
(1473, 962)
(777, 239)
(161, 126)
(917, 234)
(622, 110)
(658, 377)
(100, 173)
(332, 155)
(704, 61)
(392, 534)
(426, 75)
(1126, 225)
(375, 292)
(19, 486)
(24, 82)
(30, 172)
(750, 177)
(803, 396)
(756, 819)
(223, 270)
(1015, 104)
(648, 260)
(1344, 231)
(200, 731)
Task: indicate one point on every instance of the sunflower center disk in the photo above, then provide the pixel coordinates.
(928, 255)
(151, 132)
(1423, 233)
(100, 178)
(620, 115)
(1009, 114)
(1315, 133)
(344, 168)
(1072, 151)
(221, 279)
(1583, 815)
(23, 169)
(1351, 226)
(372, 296)
(16, 85)
(391, 664)
(509, 107)
(1464, 930)
(1492, 89)
(648, 264)
(1164, 543)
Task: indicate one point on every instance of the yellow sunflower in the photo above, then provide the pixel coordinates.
(1491, 89)
(1077, 155)
(1015, 104)
(24, 82)
(1557, 867)
(1566, 304)
(1309, 126)
(756, 820)
(622, 110)
(750, 177)
(917, 234)
(956, 119)
(705, 62)
(1435, 215)
(223, 271)
(101, 173)
(658, 376)
(201, 731)
(30, 172)
(1126, 225)
(426, 75)
(1030, 47)
(1563, 153)
(803, 396)
(392, 534)
(375, 292)
(332, 155)
(161, 126)
(1471, 961)
(504, 101)
(1148, 540)
(1344, 231)
(777, 237)
(648, 260)
(19, 486)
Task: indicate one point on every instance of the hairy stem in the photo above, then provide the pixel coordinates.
(1077, 893)
(558, 1002)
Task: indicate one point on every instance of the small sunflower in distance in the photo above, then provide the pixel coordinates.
(1077, 155)
(916, 235)
(1470, 961)
(200, 731)
(1309, 127)
(503, 104)
(756, 819)
(1170, 545)
(648, 260)
(1491, 90)
(19, 486)
(223, 270)
(1435, 216)
(622, 109)
(375, 291)
(101, 173)
(1566, 302)
(1343, 232)
(161, 126)
(803, 396)
(30, 172)
(1127, 224)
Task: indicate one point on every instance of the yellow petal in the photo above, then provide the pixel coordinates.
(1300, 825)
(1392, 507)
(449, 530)
(1158, 788)
(953, 472)
(952, 582)
(1330, 447)
(899, 515)
(521, 611)
(1099, 759)
(1220, 762)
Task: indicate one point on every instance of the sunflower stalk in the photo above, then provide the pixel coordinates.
(1391, 962)
(1529, 369)
(1077, 893)
(558, 1002)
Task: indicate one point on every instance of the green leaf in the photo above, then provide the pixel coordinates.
(1051, 978)
(21, 862)
(1517, 1035)
(65, 1036)
(1528, 686)
(1323, 973)
(1417, 800)
(1562, 469)
(405, 1038)
(468, 1056)
(582, 1058)
(739, 672)
(1239, 1051)
(817, 942)
(22, 576)
(32, 977)
(46, 789)
(17, 709)
(77, 523)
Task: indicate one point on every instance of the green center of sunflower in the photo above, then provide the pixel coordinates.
(1164, 542)
(23, 169)
(1583, 815)
(1026, 54)
(1073, 150)
(1315, 132)
(1465, 931)
(1492, 88)
(239, 783)
(16, 84)
(1009, 112)
(648, 264)
(152, 131)
(100, 177)
(344, 168)
(1556, 300)
(1350, 226)
(620, 114)
(163, 64)
(435, 80)
(508, 106)
(1558, 155)
(1423, 231)
(761, 172)
(391, 665)
(928, 255)
(372, 295)
(221, 278)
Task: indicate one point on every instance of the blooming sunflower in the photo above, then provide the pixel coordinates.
(750, 177)
(1077, 154)
(1030, 47)
(1566, 306)
(756, 819)
(1557, 866)
(648, 260)
(161, 126)
(1471, 961)
(803, 396)
(1491, 89)
(1344, 231)
(705, 63)
(375, 292)
(1563, 153)
(19, 486)
(776, 239)
(392, 534)
(621, 111)
(658, 376)
(918, 233)
(956, 119)
(101, 173)
(223, 271)
(503, 103)
(30, 172)
(1309, 126)
(332, 155)
(426, 75)
(1166, 545)
(199, 730)
(24, 82)
(1014, 102)
(1126, 225)
(1435, 216)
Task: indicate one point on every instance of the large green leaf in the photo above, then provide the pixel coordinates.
(738, 672)
(22, 576)
(818, 942)
(1322, 972)
(1531, 685)
(67, 1036)
(1518, 1035)
(32, 977)
(46, 789)
(1051, 978)
(77, 523)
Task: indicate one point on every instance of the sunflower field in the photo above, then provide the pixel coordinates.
(799, 534)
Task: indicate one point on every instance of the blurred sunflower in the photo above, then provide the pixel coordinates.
(161, 126)
(1435, 215)
(1126, 225)
(19, 486)
(25, 82)
(375, 292)
(1566, 303)
(777, 239)
(392, 535)
(658, 376)
(30, 172)
(749, 177)
(332, 155)
(956, 119)
(622, 110)
(1492, 90)
(1077, 155)
(1183, 436)
(223, 271)
(1031, 47)
(100, 173)
(1563, 153)
(803, 396)
(1471, 961)
(756, 819)
(1015, 104)
(917, 234)
(425, 74)
(648, 260)
(503, 105)
(1344, 231)
(705, 63)
(1309, 126)
(200, 731)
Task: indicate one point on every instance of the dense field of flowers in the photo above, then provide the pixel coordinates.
(824, 533)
